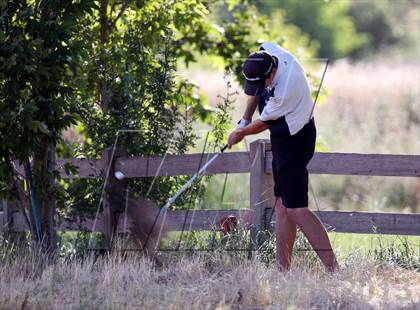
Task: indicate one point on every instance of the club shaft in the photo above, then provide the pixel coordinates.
(190, 181)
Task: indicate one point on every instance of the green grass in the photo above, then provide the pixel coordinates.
(402, 251)
(347, 243)
(344, 243)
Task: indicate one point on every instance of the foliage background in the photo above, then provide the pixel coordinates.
(132, 64)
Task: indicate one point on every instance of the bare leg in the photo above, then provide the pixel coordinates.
(316, 235)
(285, 230)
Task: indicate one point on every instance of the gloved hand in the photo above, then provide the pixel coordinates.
(243, 123)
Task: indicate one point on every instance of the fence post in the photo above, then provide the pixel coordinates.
(261, 187)
(114, 194)
(10, 225)
(417, 210)
(2, 216)
(8, 210)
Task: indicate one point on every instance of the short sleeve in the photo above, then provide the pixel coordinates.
(275, 108)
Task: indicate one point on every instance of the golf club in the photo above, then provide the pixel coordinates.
(171, 200)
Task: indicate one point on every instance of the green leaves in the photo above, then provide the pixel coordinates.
(37, 98)
(41, 126)
(326, 22)
(70, 168)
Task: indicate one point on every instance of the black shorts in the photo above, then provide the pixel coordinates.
(291, 155)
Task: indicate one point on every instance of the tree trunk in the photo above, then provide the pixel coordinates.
(43, 162)
(44, 183)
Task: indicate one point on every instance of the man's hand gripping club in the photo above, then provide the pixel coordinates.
(245, 127)
(238, 134)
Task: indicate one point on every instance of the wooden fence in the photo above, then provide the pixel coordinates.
(256, 162)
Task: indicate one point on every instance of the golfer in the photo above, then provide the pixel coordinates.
(276, 83)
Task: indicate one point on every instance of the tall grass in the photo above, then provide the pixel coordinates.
(205, 280)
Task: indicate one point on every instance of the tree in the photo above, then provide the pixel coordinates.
(388, 24)
(326, 21)
(37, 49)
(128, 82)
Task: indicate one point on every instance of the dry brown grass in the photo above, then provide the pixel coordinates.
(204, 282)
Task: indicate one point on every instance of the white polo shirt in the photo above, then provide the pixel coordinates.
(292, 95)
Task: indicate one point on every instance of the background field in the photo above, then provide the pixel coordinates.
(367, 107)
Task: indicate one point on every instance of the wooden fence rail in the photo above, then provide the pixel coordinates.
(240, 162)
(256, 162)
(206, 220)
